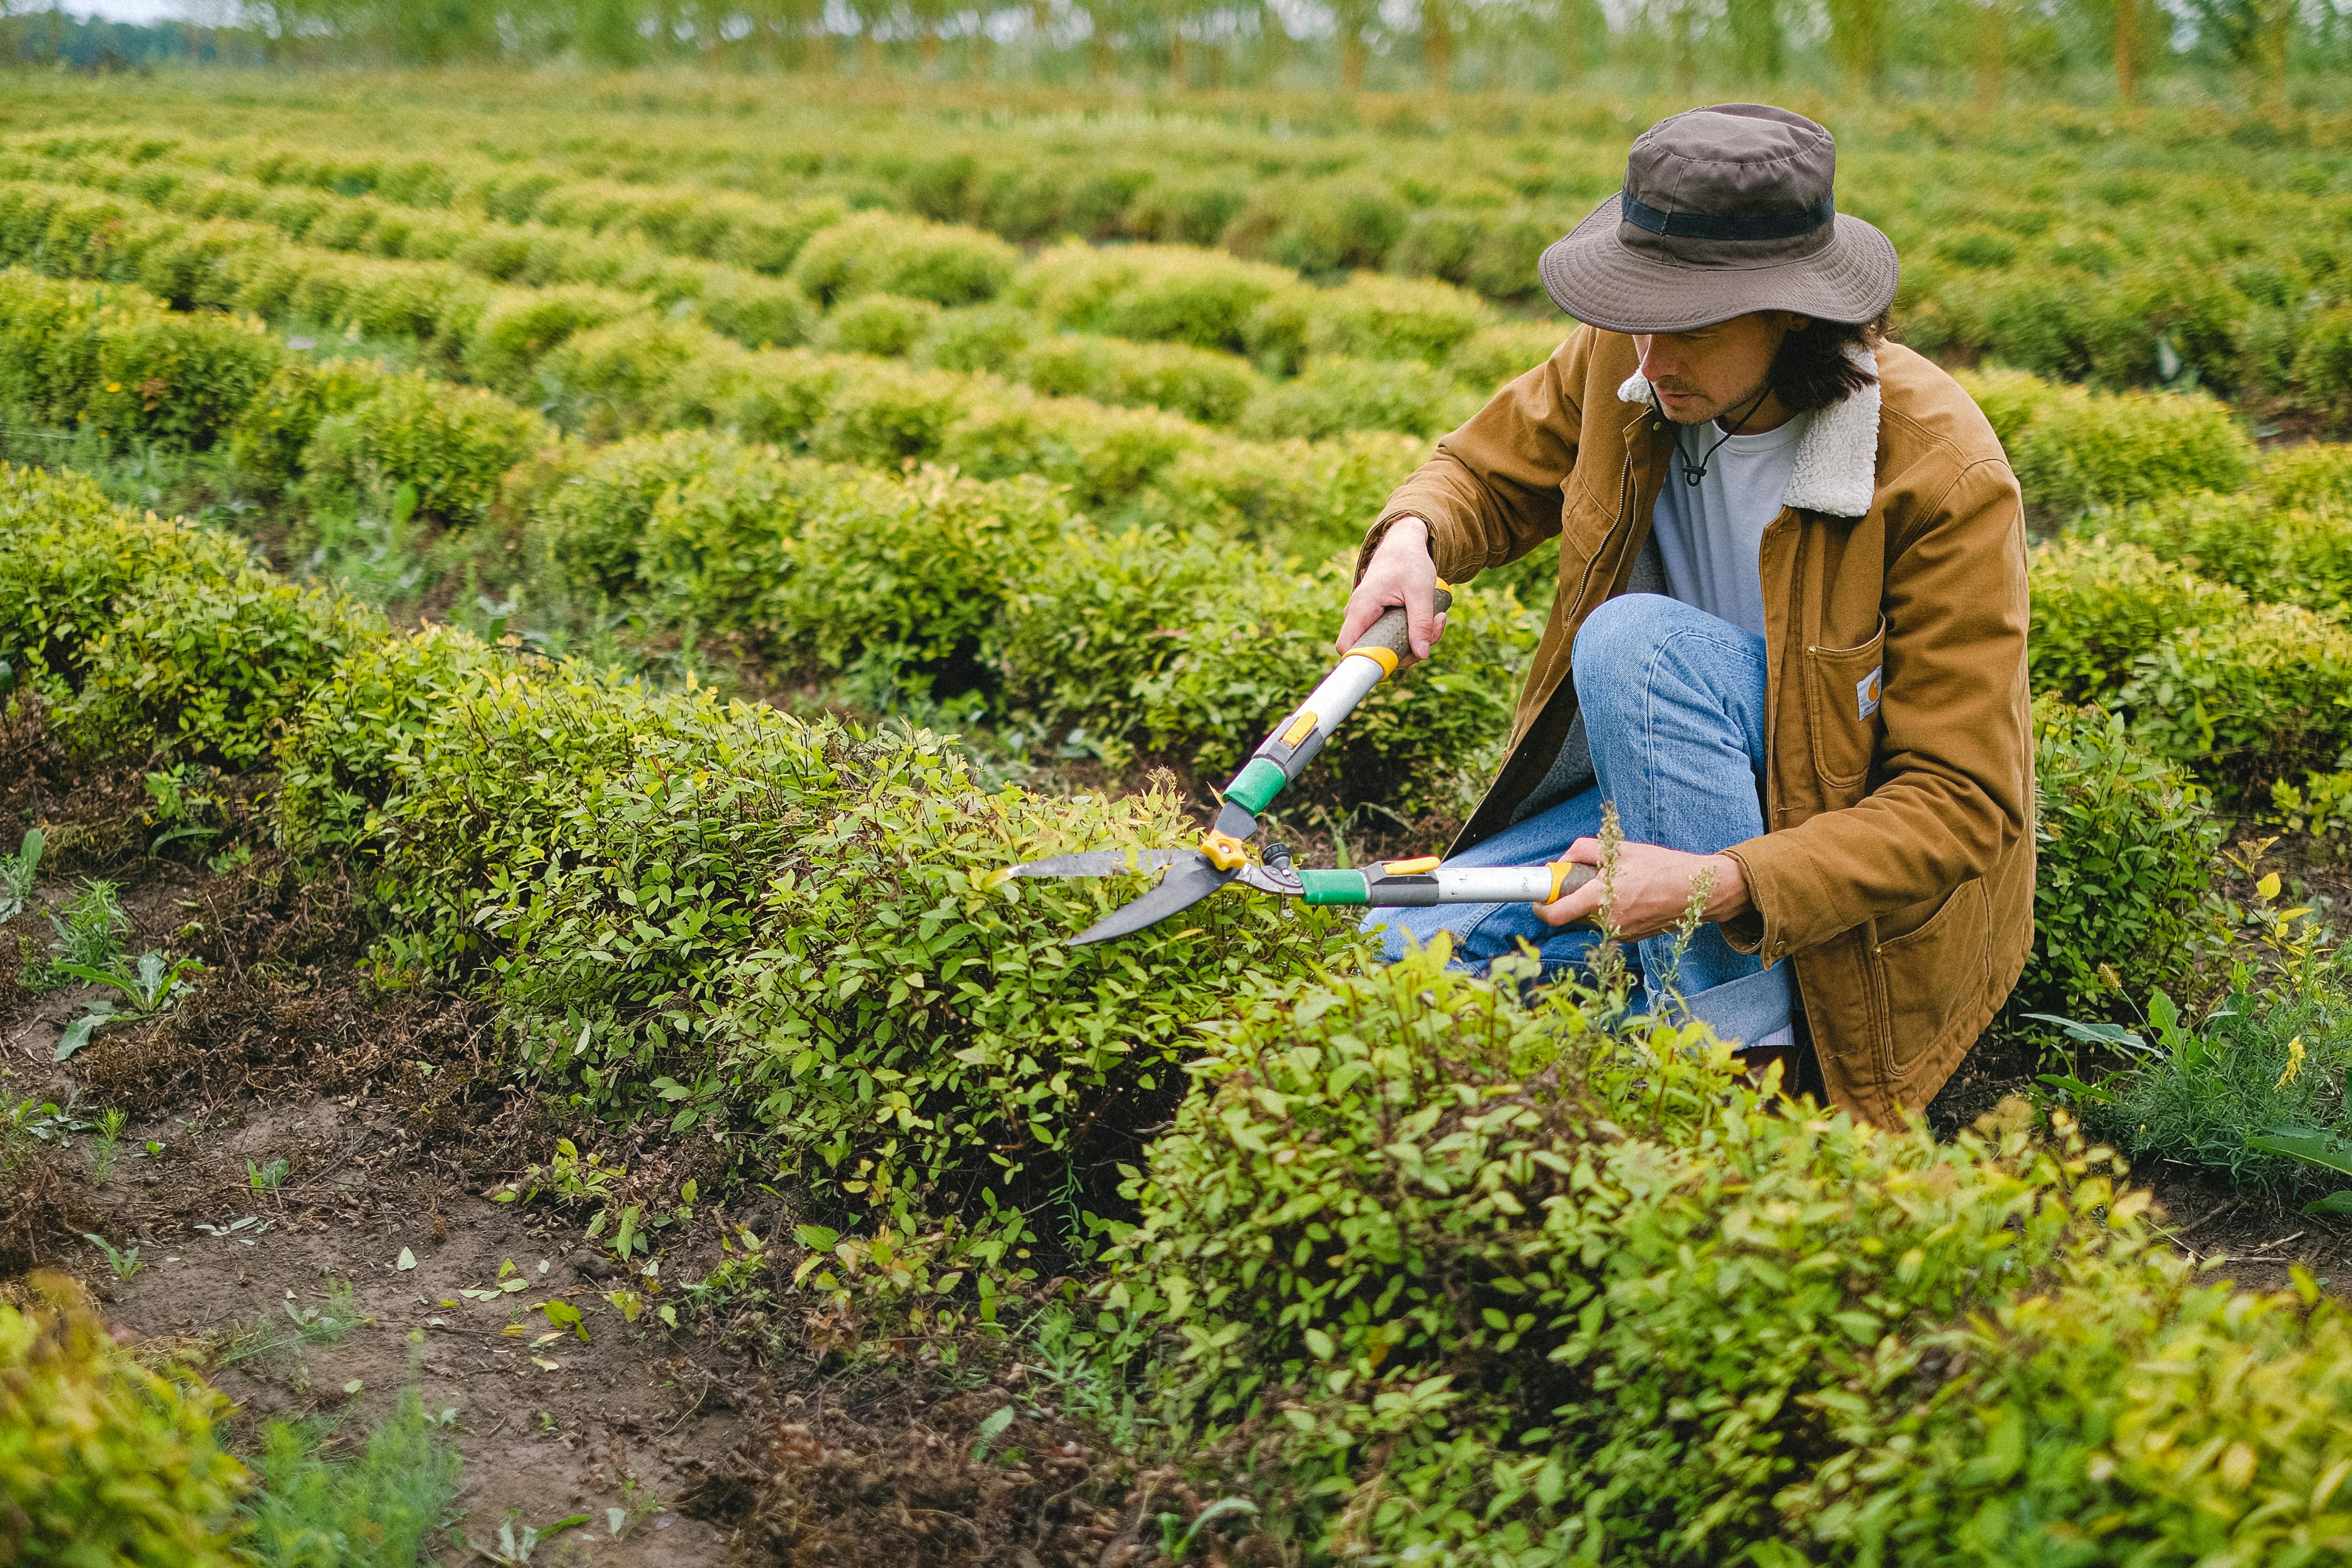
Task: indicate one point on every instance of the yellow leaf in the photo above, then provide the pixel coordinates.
(2268, 886)
(2238, 1466)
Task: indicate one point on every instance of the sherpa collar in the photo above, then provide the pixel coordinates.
(1836, 470)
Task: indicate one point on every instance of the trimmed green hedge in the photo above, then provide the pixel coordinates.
(2099, 604)
(2073, 448)
(2127, 848)
(1474, 1281)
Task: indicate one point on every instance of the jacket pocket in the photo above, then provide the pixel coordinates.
(1935, 971)
(1841, 697)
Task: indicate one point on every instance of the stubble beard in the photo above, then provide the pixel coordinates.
(1697, 413)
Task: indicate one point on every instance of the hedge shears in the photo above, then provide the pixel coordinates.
(1224, 855)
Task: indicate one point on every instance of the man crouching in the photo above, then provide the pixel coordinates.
(1789, 640)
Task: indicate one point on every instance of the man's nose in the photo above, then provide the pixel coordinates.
(1657, 365)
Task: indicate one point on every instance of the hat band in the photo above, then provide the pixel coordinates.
(1727, 225)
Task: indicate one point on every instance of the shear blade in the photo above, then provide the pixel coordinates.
(1189, 880)
(1234, 822)
(1101, 863)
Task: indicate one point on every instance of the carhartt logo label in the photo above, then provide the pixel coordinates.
(1865, 694)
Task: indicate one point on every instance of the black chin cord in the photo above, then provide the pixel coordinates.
(1692, 477)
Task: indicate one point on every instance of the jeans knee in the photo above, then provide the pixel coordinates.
(1614, 644)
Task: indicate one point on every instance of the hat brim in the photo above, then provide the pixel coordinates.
(1590, 274)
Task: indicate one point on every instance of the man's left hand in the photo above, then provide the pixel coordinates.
(1653, 888)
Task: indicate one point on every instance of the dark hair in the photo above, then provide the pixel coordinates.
(1811, 370)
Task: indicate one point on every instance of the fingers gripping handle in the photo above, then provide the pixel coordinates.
(1285, 753)
(1392, 633)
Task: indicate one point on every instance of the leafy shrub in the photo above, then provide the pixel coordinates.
(210, 671)
(2322, 366)
(792, 930)
(2313, 477)
(336, 759)
(978, 337)
(1150, 293)
(817, 564)
(2264, 697)
(455, 444)
(1334, 395)
(1368, 317)
(267, 441)
(49, 337)
(877, 252)
(1471, 1280)
(1187, 211)
(180, 381)
(1213, 388)
(1307, 499)
(100, 1459)
(2099, 604)
(111, 361)
(2279, 556)
(511, 336)
(1105, 455)
(1493, 356)
(1322, 228)
(888, 325)
(71, 557)
(2125, 851)
(586, 511)
(639, 374)
(1197, 648)
(2073, 448)
(754, 310)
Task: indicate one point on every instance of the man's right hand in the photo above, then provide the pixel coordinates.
(1401, 574)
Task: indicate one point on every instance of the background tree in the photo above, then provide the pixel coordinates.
(1858, 40)
(1759, 43)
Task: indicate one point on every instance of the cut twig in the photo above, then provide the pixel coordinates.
(2204, 1220)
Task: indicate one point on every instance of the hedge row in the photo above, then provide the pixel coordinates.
(1136, 641)
(707, 530)
(423, 207)
(467, 326)
(1456, 1279)
(2076, 253)
(883, 273)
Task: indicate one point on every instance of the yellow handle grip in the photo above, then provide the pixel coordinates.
(1566, 876)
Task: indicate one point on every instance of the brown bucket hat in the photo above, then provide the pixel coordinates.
(1725, 210)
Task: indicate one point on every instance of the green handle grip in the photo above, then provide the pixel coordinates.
(1392, 631)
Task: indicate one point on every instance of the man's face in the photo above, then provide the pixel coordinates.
(1709, 372)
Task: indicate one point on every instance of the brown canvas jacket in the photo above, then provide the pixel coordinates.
(1896, 872)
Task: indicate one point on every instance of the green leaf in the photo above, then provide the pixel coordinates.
(2308, 1144)
(78, 1033)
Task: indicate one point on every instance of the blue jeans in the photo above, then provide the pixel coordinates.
(1674, 707)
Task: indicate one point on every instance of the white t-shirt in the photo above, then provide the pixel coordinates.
(1708, 534)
